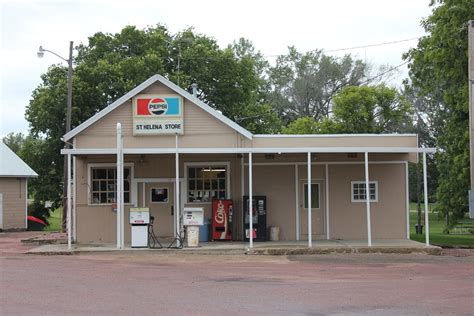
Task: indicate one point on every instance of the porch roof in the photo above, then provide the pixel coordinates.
(138, 151)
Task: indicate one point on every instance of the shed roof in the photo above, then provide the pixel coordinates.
(12, 166)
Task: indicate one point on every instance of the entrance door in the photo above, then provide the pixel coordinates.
(317, 207)
(159, 197)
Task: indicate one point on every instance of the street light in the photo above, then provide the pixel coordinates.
(40, 54)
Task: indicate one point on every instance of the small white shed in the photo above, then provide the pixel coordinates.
(14, 174)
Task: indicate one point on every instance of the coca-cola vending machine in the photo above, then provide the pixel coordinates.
(222, 213)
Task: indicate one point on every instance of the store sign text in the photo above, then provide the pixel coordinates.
(157, 115)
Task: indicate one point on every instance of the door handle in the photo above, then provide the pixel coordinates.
(172, 210)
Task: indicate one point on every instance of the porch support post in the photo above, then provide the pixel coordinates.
(120, 217)
(407, 196)
(328, 235)
(367, 199)
(250, 206)
(69, 193)
(297, 209)
(74, 198)
(425, 187)
(310, 235)
(177, 202)
(242, 191)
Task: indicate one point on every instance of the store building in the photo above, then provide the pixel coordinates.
(166, 136)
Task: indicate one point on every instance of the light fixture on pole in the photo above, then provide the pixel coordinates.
(40, 54)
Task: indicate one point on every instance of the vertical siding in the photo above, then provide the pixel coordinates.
(277, 183)
(14, 202)
(348, 220)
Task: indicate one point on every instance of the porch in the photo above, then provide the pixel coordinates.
(259, 248)
(302, 170)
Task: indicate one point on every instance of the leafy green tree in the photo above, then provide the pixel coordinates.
(302, 125)
(308, 125)
(304, 84)
(109, 65)
(14, 141)
(362, 109)
(378, 109)
(438, 69)
(36, 153)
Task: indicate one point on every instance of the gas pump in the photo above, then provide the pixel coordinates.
(193, 217)
(139, 219)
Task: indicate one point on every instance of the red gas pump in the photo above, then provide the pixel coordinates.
(222, 215)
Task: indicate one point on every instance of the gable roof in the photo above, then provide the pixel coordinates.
(12, 166)
(142, 87)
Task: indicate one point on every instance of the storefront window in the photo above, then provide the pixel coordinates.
(206, 183)
(358, 191)
(104, 185)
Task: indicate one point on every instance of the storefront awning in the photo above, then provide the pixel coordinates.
(276, 150)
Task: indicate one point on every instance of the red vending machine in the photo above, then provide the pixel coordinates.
(222, 213)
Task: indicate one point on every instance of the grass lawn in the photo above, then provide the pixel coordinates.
(55, 220)
(437, 237)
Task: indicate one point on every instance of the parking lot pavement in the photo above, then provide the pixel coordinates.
(150, 283)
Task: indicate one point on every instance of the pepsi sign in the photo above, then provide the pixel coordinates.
(157, 114)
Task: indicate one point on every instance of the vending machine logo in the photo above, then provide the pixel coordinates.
(220, 213)
(221, 219)
(157, 114)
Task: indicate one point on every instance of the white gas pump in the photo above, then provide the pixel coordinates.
(193, 217)
(139, 219)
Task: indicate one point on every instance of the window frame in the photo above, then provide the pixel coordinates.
(365, 200)
(212, 164)
(90, 166)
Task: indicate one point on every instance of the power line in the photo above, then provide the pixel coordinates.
(372, 45)
(324, 50)
(383, 73)
(363, 46)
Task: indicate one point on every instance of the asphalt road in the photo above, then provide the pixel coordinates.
(150, 283)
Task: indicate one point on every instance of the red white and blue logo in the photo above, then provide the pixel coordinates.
(166, 106)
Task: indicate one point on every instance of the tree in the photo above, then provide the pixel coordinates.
(378, 109)
(438, 68)
(110, 65)
(362, 109)
(14, 141)
(302, 125)
(47, 186)
(303, 85)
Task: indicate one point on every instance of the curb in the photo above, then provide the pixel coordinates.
(315, 251)
(259, 251)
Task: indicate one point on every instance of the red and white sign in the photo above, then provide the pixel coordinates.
(157, 114)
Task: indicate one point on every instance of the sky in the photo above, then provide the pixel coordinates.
(271, 25)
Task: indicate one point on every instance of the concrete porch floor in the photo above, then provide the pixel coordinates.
(268, 247)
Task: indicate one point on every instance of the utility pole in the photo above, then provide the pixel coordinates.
(470, 32)
(419, 230)
(68, 128)
(68, 119)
